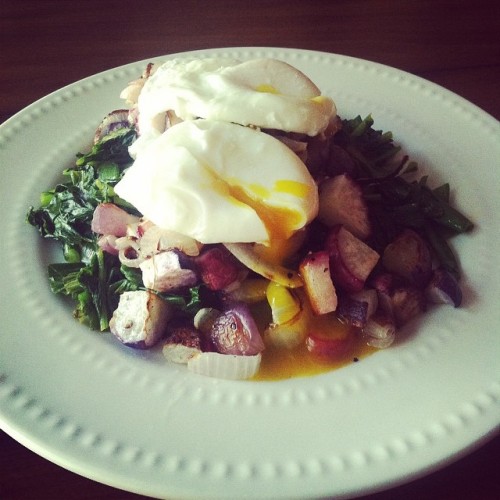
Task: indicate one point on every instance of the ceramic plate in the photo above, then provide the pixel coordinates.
(130, 420)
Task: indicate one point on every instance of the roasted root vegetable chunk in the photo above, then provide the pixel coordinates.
(182, 343)
(409, 256)
(218, 268)
(315, 271)
(341, 202)
(351, 260)
(167, 271)
(140, 319)
(407, 303)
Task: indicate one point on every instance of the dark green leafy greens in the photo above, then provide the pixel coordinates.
(396, 199)
(92, 278)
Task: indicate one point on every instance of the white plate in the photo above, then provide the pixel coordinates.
(120, 417)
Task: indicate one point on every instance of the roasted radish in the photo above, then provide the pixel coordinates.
(351, 260)
(329, 340)
(182, 343)
(341, 202)
(315, 271)
(407, 303)
(409, 257)
(218, 268)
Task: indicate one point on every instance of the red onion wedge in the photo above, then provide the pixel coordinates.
(443, 288)
(112, 121)
(111, 219)
(235, 332)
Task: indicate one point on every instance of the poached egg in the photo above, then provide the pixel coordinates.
(214, 176)
(265, 93)
(221, 182)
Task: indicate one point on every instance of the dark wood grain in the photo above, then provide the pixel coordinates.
(45, 45)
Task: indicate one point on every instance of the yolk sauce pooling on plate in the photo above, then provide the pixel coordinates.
(280, 363)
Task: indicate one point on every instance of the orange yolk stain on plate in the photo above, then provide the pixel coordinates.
(279, 363)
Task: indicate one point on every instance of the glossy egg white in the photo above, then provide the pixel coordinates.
(220, 182)
(265, 93)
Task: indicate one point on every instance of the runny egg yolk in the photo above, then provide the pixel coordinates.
(281, 222)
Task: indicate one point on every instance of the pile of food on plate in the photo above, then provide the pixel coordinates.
(231, 218)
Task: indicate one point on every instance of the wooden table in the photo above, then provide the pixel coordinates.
(45, 45)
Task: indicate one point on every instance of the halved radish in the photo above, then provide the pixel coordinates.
(329, 340)
(351, 260)
(341, 202)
